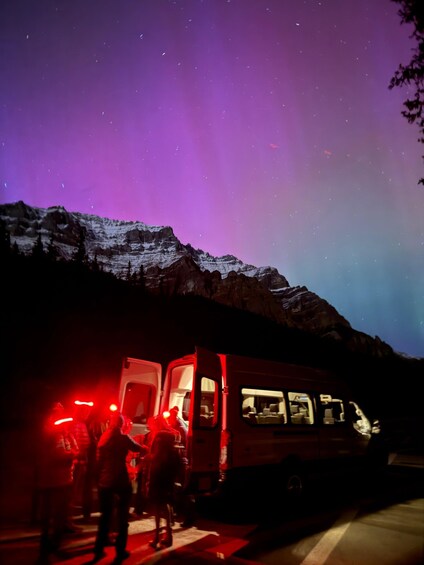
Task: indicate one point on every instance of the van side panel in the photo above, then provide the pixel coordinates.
(262, 442)
(254, 445)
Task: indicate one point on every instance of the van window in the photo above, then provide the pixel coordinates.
(263, 407)
(208, 403)
(331, 410)
(138, 402)
(301, 408)
(186, 406)
(181, 384)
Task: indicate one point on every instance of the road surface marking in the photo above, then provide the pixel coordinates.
(319, 554)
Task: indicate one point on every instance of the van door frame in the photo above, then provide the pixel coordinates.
(205, 441)
(140, 371)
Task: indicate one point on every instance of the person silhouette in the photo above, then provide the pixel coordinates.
(114, 486)
(164, 469)
(57, 452)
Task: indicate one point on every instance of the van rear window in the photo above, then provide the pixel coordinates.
(208, 403)
(138, 402)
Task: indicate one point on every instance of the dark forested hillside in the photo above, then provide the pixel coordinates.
(66, 328)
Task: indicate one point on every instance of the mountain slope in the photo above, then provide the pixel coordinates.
(131, 249)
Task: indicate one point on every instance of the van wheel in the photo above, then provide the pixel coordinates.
(293, 484)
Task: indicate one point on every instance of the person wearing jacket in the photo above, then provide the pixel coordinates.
(114, 486)
(83, 479)
(135, 466)
(56, 457)
(164, 470)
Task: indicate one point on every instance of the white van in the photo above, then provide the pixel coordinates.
(252, 420)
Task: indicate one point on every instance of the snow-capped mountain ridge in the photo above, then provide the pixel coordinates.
(136, 239)
(170, 267)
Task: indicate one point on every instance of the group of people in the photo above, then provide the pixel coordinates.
(72, 461)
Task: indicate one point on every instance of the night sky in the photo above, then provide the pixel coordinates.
(259, 128)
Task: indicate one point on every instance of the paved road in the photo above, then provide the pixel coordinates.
(213, 540)
(314, 534)
(367, 524)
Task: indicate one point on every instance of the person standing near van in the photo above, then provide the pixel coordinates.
(165, 467)
(184, 501)
(178, 424)
(114, 486)
(135, 467)
(56, 456)
(82, 487)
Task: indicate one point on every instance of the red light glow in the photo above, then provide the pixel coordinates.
(84, 403)
(113, 407)
(63, 421)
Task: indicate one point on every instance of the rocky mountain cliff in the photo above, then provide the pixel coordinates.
(130, 249)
